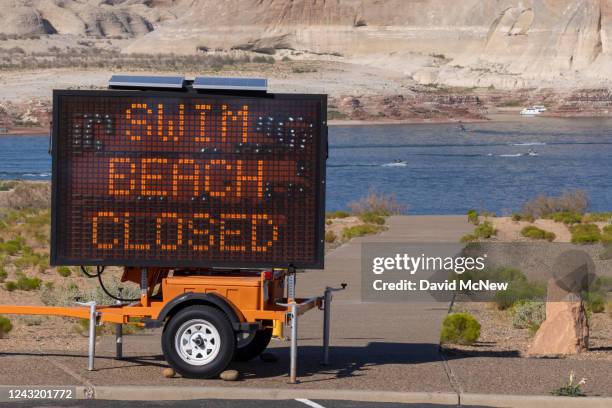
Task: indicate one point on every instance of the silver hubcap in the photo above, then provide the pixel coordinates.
(197, 342)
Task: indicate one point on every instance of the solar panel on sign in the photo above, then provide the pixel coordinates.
(136, 81)
(245, 84)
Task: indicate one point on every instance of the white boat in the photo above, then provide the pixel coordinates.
(533, 110)
(397, 163)
(530, 112)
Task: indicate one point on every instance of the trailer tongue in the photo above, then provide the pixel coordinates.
(210, 193)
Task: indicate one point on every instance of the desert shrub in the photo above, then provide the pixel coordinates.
(601, 284)
(533, 232)
(543, 206)
(28, 194)
(64, 271)
(610, 308)
(472, 216)
(65, 295)
(26, 283)
(5, 326)
(3, 275)
(378, 203)
(468, 238)
(337, 214)
(485, 230)
(330, 237)
(361, 230)
(33, 259)
(519, 287)
(595, 302)
(13, 246)
(372, 218)
(567, 217)
(597, 217)
(10, 286)
(519, 290)
(7, 185)
(585, 234)
(528, 314)
(460, 328)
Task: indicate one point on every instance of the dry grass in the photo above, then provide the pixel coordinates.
(378, 203)
(569, 202)
(26, 194)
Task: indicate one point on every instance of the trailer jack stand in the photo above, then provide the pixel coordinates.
(93, 321)
(292, 317)
(327, 320)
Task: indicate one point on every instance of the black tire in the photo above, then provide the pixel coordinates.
(254, 346)
(200, 321)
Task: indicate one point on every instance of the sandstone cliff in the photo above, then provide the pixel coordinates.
(499, 43)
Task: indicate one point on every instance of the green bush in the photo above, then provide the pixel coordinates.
(372, 217)
(460, 328)
(595, 302)
(337, 214)
(519, 291)
(528, 314)
(567, 217)
(533, 232)
(3, 275)
(468, 238)
(522, 217)
(26, 283)
(64, 271)
(482, 231)
(585, 234)
(330, 237)
(361, 230)
(5, 326)
(472, 216)
(12, 247)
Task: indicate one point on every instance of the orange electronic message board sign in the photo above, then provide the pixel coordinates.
(188, 180)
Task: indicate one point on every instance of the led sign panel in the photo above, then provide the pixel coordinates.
(188, 180)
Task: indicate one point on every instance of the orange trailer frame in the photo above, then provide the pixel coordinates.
(252, 300)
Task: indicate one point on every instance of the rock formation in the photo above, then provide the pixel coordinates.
(503, 44)
(566, 329)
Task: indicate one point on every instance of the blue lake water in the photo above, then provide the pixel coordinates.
(446, 171)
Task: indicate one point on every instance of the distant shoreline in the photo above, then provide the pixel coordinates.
(494, 117)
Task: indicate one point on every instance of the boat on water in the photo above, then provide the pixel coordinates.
(396, 163)
(533, 110)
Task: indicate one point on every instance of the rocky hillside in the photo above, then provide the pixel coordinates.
(499, 43)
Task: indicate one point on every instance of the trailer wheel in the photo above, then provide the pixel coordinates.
(253, 345)
(199, 342)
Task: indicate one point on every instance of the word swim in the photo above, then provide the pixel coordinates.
(171, 232)
(147, 120)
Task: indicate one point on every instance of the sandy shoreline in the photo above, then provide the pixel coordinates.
(496, 117)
